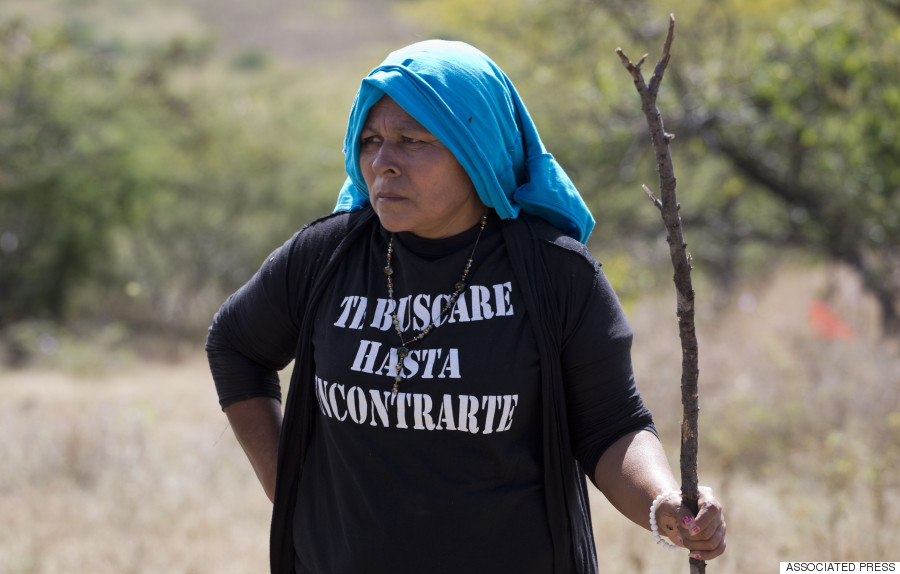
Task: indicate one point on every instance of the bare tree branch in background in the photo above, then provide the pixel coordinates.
(681, 261)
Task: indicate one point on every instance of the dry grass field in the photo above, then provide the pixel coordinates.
(133, 470)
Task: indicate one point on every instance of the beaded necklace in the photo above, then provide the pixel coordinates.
(459, 287)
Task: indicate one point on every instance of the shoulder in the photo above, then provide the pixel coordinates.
(334, 226)
(325, 234)
(568, 281)
(314, 245)
(557, 248)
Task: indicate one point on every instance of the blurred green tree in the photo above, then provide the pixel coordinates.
(813, 122)
(144, 183)
(785, 116)
(65, 175)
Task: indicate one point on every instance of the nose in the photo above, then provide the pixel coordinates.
(385, 161)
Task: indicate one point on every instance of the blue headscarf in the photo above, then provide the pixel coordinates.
(465, 100)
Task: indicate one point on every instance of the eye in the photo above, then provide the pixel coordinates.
(410, 140)
(370, 141)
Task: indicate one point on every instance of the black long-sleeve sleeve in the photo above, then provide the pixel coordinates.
(254, 334)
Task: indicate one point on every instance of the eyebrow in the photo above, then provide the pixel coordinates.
(408, 124)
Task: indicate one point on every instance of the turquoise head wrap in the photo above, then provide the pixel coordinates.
(465, 100)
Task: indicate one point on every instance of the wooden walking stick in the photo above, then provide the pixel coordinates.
(681, 261)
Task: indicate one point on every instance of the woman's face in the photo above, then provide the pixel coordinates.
(415, 183)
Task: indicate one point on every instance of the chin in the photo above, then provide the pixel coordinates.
(393, 222)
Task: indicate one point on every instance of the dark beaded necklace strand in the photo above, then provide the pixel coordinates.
(459, 287)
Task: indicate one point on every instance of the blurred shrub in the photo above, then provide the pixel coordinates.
(814, 123)
(144, 183)
(66, 178)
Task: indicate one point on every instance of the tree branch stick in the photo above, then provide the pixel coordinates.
(681, 261)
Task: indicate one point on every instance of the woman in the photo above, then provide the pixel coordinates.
(461, 362)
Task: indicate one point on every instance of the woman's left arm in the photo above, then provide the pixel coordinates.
(610, 427)
(634, 470)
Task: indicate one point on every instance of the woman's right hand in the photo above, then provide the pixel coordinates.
(704, 534)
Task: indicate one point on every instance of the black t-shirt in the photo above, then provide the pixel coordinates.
(446, 475)
(416, 482)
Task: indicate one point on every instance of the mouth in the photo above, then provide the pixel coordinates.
(388, 196)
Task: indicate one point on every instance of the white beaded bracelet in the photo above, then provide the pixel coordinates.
(654, 528)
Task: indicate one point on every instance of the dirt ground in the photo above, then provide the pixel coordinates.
(136, 471)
